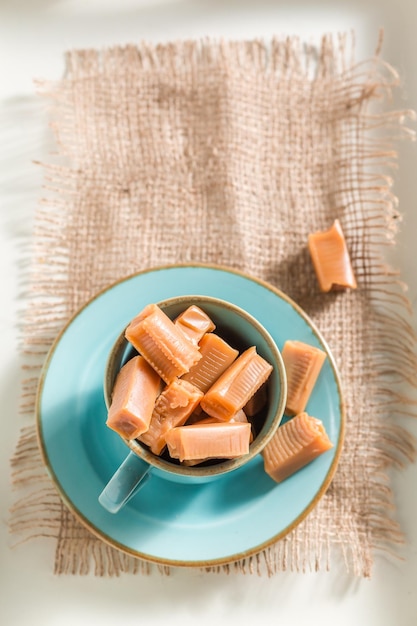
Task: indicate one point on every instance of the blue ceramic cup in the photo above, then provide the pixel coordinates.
(242, 331)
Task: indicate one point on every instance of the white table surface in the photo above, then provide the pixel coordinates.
(33, 36)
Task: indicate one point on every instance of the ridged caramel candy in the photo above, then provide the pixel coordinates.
(221, 440)
(331, 260)
(303, 364)
(295, 444)
(216, 356)
(161, 343)
(172, 408)
(194, 323)
(136, 388)
(236, 385)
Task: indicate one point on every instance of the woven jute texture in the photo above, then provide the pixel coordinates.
(231, 153)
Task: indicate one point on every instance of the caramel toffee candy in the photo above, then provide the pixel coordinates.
(216, 356)
(172, 408)
(221, 440)
(331, 259)
(134, 394)
(295, 444)
(302, 365)
(236, 385)
(194, 323)
(161, 343)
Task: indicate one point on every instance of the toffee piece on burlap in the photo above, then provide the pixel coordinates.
(231, 153)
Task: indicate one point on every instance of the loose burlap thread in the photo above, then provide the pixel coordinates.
(231, 153)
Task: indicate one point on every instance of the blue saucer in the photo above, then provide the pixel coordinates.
(175, 524)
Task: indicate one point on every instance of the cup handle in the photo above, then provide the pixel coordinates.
(125, 482)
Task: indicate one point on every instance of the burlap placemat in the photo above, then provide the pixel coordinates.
(231, 153)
